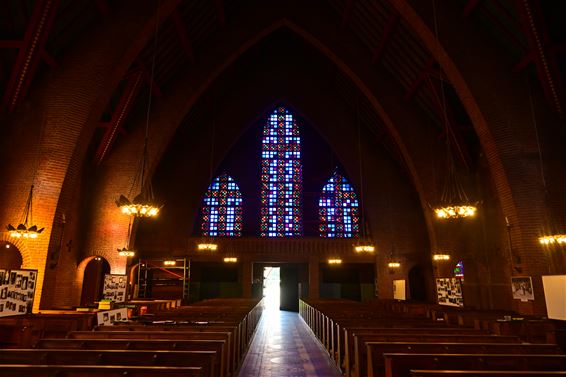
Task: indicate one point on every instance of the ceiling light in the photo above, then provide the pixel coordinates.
(25, 229)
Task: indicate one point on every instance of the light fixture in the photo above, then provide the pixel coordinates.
(169, 262)
(364, 248)
(127, 251)
(230, 260)
(143, 204)
(124, 252)
(393, 264)
(454, 202)
(441, 257)
(207, 246)
(7, 246)
(334, 261)
(364, 244)
(552, 239)
(26, 229)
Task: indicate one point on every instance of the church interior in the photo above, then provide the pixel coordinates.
(397, 163)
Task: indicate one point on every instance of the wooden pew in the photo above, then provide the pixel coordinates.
(8, 370)
(484, 373)
(206, 360)
(230, 362)
(376, 350)
(400, 364)
(359, 360)
(217, 346)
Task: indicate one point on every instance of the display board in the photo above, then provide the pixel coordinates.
(399, 290)
(555, 296)
(522, 287)
(17, 290)
(449, 292)
(115, 287)
(108, 317)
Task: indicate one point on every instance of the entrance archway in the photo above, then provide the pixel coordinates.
(10, 256)
(93, 280)
(417, 284)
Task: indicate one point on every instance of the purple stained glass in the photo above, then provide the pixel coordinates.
(338, 209)
(222, 209)
(281, 176)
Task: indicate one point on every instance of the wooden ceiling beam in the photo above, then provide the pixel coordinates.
(388, 30)
(30, 52)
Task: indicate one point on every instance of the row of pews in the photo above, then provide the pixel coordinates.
(385, 338)
(207, 339)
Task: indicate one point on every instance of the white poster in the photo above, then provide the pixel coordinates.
(449, 292)
(555, 296)
(399, 289)
(115, 287)
(17, 290)
(108, 317)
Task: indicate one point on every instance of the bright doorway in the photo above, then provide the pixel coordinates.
(271, 287)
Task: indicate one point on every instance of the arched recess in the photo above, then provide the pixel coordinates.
(170, 111)
(10, 256)
(417, 283)
(93, 279)
(499, 106)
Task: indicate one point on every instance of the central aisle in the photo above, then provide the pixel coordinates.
(283, 346)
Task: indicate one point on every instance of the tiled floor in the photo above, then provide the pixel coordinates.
(283, 346)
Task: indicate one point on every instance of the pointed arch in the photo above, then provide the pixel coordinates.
(338, 209)
(281, 176)
(222, 209)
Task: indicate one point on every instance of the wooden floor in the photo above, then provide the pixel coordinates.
(284, 346)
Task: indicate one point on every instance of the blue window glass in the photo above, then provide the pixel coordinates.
(338, 209)
(222, 209)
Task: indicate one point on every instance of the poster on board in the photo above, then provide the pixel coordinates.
(399, 290)
(522, 287)
(108, 317)
(449, 292)
(114, 287)
(17, 291)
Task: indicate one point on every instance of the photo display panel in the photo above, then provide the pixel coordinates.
(115, 287)
(17, 291)
(449, 292)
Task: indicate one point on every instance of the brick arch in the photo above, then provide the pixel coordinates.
(170, 111)
(21, 246)
(64, 109)
(497, 103)
(80, 274)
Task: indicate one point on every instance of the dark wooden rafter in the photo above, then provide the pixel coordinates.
(421, 78)
(388, 30)
(446, 117)
(183, 35)
(470, 6)
(219, 5)
(347, 13)
(148, 79)
(31, 51)
(103, 7)
(123, 108)
(541, 52)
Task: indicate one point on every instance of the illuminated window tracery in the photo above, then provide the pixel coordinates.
(222, 210)
(338, 209)
(281, 176)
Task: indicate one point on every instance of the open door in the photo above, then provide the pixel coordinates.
(289, 288)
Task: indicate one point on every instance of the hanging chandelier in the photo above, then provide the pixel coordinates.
(554, 239)
(207, 246)
(230, 260)
(364, 247)
(334, 261)
(26, 229)
(393, 264)
(143, 205)
(127, 251)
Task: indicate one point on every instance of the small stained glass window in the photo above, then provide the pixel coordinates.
(222, 209)
(338, 209)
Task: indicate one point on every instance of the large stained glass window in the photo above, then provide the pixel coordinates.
(222, 210)
(338, 209)
(281, 176)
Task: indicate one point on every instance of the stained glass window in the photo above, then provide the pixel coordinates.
(459, 269)
(281, 176)
(222, 210)
(338, 209)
